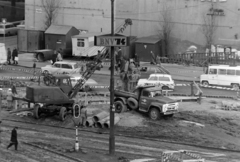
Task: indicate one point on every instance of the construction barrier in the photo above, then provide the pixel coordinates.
(181, 156)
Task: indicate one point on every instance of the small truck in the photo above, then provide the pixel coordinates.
(148, 99)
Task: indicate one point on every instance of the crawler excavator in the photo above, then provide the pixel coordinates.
(53, 99)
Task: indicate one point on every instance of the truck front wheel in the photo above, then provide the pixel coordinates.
(63, 113)
(36, 113)
(120, 107)
(154, 114)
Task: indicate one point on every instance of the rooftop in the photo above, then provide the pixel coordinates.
(58, 29)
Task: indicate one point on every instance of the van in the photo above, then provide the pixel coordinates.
(3, 54)
(223, 75)
(8, 29)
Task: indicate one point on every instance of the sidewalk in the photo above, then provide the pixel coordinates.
(178, 72)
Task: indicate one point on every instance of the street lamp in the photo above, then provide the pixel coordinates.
(4, 21)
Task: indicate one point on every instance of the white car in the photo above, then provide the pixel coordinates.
(61, 67)
(8, 29)
(87, 86)
(163, 80)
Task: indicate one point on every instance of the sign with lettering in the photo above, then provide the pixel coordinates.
(108, 40)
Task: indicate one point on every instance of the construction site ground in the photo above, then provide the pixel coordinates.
(209, 129)
(203, 125)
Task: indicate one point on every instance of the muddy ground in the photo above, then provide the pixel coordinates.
(204, 124)
(201, 124)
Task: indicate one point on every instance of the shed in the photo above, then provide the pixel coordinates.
(83, 45)
(59, 36)
(144, 46)
(30, 40)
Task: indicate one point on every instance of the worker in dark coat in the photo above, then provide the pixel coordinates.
(15, 56)
(9, 56)
(14, 140)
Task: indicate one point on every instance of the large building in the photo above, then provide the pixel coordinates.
(186, 17)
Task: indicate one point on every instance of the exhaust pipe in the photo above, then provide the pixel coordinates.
(107, 123)
(100, 124)
(100, 116)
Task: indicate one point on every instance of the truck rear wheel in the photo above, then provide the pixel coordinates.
(132, 103)
(36, 113)
(120, 107)
(63, 113)
(154, 114)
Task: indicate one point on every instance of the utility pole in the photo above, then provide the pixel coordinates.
(112, 108)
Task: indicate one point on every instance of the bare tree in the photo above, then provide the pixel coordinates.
(166, 29)
(51, 10)
(209, 28)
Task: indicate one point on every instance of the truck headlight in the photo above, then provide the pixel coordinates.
(164, 107)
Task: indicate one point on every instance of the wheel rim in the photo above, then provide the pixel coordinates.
(118, 107)
(153, 114)
(205, 83)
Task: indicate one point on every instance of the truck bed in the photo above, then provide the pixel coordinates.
(121, 93)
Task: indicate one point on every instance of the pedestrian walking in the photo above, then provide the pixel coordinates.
(59, 56)
(13, 140)
(158, 60)
(137, 62)
(34, 68)
(83, 115)
(54, 57)
(9, 98)
(153, 58)
(15, 56)
(9, 56)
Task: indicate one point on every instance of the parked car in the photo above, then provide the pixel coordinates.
(8, 29)
(163, 80)
(61, 67)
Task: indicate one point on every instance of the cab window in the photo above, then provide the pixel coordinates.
(65, 82)
(212, 71)
(145, 94)
(164, 78)
(153, 78)
(57, 65)
(66, 66)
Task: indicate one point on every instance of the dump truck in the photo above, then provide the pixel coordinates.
(147, 99)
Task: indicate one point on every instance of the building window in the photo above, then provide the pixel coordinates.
(80, 42)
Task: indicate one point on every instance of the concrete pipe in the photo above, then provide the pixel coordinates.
(107, 123)
(89, 122)
(100, 124)
(100, 116)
